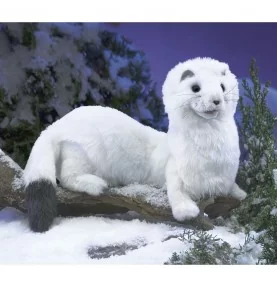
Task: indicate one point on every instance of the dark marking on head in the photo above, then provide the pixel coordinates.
(186, 74)
(223, 73)
(41, 205)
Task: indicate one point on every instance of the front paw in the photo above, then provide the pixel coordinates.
(185, 210)
(239, 194)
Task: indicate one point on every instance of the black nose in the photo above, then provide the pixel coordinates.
(216, 102)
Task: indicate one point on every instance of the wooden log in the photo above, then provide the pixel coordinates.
(150, 202)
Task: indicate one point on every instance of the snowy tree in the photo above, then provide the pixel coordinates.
(257, 137)
(48, 69)
(257, 172)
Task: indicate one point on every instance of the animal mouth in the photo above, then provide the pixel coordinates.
(209, 114)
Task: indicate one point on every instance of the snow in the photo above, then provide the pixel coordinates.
(275, 176)
(258, 201)
(124, 83)
(20, 245)
(69, 29)
(143, 111)
(9, 161)
(263, 161)
(56, 52)
(88, 31)
(273, 212)
(116, 63)
(250, 258)
(4, 123)
(150, 194)
(18, 179)
(69, 240)
(60, 62)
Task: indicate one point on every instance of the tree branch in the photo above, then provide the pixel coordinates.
(151, 203)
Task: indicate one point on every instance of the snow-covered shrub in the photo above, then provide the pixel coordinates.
(268, 239)
(257, 137)
(257, 172)
(48, 69)
(206, 249)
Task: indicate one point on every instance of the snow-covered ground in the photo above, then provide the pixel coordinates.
(70, 239)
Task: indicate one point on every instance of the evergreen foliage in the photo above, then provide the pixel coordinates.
(48, 69)
(206, 249)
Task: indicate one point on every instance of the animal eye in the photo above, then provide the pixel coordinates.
(195, 88)
(222, 87)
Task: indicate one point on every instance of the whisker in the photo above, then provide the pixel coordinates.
(231, 99)
(230, 90)
(185, 115)
(231, 93)
(184, 103)
(198, 96)
(184, 94)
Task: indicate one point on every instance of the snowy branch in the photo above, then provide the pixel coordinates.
(151, 203)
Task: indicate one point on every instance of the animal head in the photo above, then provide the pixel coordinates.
(202, 88)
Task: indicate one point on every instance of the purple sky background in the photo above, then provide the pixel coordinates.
(167, 44)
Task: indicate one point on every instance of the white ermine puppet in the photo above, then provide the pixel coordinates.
(92, 148)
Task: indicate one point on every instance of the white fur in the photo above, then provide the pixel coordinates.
(98, 141)
(93, 147)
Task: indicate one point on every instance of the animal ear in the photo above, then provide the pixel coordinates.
(186, 74)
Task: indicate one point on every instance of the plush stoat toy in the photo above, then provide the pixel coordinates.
(92, 148)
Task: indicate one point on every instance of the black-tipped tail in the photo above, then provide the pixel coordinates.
(41, 205)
